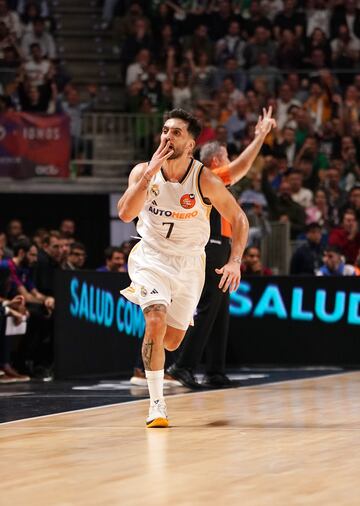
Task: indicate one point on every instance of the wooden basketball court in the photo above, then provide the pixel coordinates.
(288, 443)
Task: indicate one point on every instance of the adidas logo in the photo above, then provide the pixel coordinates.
(154, 291)
(154, 203)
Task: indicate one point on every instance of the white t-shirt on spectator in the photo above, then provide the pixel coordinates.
(134, 73)
(317, 18)
(37, 72)
(337, 45)
(12, 21)
(46, 43)
(182, 98)
(304, 197)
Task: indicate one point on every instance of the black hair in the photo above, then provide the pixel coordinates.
(23, 244)
(77, 245)
(194, 127)
(110, 250)
(332, 248)
(312, 226)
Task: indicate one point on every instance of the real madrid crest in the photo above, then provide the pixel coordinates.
(143, 291)
(154, 190)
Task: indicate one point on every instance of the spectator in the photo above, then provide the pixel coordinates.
(346, 13)
(283, 104)
(299, 194)
(289, 52)
(67, 227)
(14, 230)
(283, 208)
(231, 46)
(49, 258)
(25, 257)
(38, 70)
(137, 69)
(318, 106)
(333, 264)
(256, 17)
(319, 211)
(65, 242)
(353, 201)
(140, 38)
(255, 205)
(347, 237)
(336, 196)
(199, 42)
(75, 108)
(289, 19)
(230, 69)
(114, 260)
(252, 265)
(237, 122)
(307, 259)
(11, 20)
(317, 16)
(6, 252)
(265, 71)
(202, 77)
(76, 257)
(39, 36)
(182, 96)
(262, 43)
(286, 145)
(317, 42)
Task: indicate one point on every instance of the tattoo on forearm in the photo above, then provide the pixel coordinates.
(147, 350)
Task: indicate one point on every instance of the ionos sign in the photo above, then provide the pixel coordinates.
(292, 320)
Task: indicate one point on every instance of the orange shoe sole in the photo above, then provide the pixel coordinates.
(157, 423)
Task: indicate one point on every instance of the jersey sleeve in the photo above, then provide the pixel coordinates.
(224, 174)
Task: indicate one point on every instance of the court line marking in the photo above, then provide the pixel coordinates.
(175, 395)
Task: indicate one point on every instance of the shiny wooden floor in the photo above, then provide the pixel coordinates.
(290, 443)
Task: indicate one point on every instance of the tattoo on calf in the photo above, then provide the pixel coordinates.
(147, 350)
(155, 307)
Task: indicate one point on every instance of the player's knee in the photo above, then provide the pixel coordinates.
(156, 324)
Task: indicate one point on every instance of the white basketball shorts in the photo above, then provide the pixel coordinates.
(175, 281)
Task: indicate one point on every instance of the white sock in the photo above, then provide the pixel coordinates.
(155, 381)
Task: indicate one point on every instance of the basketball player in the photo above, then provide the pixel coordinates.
(210, 330)
(172, 195)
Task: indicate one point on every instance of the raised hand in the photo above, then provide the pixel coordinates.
(265, 123)
(162, 153)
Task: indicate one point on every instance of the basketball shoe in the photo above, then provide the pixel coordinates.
(157, 415)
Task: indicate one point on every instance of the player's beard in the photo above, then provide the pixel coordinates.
(176, 154)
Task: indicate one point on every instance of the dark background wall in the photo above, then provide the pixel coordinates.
(90, 212)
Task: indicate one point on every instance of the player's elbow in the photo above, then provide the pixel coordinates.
(125, 216)
(243, 221)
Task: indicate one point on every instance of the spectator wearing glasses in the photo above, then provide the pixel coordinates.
(76, 258)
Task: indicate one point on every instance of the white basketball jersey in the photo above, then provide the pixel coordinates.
(175, 219)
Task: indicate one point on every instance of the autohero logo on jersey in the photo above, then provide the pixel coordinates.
(188, 201)
(172, 214)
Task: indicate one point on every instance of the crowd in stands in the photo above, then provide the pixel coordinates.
(27, 275)
(226, 61)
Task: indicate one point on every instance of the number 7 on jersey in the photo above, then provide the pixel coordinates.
(171, 226)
